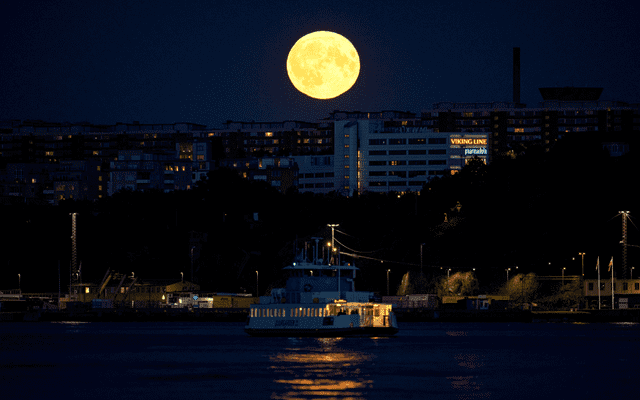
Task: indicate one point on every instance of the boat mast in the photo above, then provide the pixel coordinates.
(333, 247)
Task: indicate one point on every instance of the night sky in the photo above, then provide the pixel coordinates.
(207, 61)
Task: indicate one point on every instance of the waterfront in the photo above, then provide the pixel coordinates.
(216, 359)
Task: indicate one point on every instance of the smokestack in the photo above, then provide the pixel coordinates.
(516, 74)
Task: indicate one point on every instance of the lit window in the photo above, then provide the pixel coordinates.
(86, 290)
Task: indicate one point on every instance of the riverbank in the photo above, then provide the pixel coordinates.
(586, 316)
(128, 315)
(240, 314)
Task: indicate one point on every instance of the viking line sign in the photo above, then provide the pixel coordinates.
(468, 142)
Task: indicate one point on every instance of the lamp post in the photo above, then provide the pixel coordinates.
(181, 277)
(582, 255)
(19, 284)
(192, 247)
(563, 268)
(257, 285)
(421, 244)
(632, 268)
(388, 281)
(508, 269)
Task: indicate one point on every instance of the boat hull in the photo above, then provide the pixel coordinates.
(334, 332)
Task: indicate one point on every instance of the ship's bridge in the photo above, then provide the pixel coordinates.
(310, 277)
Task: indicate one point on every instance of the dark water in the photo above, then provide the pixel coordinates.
(218, 361)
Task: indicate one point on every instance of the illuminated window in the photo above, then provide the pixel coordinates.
(86, 290)
(98, 168)
(48, 153)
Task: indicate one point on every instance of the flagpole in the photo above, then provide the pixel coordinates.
(598, 268)
(612, 299)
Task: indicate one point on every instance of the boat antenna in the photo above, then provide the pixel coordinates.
(315, 250)
(333, 241)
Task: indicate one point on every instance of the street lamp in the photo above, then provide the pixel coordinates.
(508, 269)
(19, 284)
(388, 281)
(582, 254)
(563, 268)
(421, 244)
(181, 277)
(632, 268)
(192, 247)
(257, 285)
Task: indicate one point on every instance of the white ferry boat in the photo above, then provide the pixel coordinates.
(320, 300)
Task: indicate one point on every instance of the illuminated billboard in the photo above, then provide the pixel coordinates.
(464, 147)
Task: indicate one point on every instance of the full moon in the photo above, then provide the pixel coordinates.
(323, 65)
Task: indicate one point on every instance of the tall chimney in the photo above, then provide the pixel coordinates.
(516, 74)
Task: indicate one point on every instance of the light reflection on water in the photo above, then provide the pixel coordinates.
(323, 370)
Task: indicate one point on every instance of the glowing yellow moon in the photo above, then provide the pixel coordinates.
(323, 65)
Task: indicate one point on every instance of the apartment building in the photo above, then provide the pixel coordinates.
(370, 156)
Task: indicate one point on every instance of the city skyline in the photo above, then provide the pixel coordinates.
(207, 63)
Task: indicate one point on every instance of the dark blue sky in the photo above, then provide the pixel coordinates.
(208, 61)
